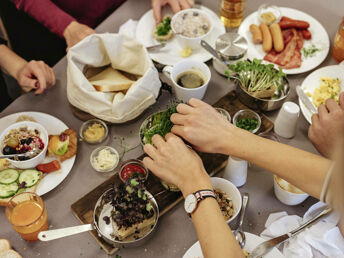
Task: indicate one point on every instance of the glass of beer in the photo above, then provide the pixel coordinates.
(27, 215)
(232, 12)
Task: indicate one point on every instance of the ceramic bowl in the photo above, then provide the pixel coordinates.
(287, 197)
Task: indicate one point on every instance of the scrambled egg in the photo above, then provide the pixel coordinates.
(186, 52)
(329, 88)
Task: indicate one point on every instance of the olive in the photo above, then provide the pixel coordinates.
(7, 150)
(12, 142)
(23, 141)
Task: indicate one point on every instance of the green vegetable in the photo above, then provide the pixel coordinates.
(159, 123)
(139, 193)
(255, 76)
(248, 124)
(133, 182)
(148, 207)
(129, 189)
(310, 51)
(164, 27)
(62, 147)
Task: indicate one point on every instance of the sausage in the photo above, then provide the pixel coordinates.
(256, 34)
(297, 24)
(306, 34)
(49, 167)
(277, 37)
(285, 18)
(267, 40)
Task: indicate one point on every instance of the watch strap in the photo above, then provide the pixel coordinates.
(202, 194)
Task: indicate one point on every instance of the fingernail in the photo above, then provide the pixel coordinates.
(36, 84)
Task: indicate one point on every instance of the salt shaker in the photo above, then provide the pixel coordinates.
(286, 121)
(236, 171)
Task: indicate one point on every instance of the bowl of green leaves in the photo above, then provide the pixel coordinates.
(248, 120)
(259, 86)
(157, 123)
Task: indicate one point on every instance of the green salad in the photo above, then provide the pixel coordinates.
(158, 123)
(259, 80)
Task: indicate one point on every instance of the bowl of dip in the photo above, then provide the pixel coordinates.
(288, 193)
(104, 159)
(190, 26)
(93, 131)
(132, 168)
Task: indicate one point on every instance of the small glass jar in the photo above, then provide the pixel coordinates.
(247, 113)
(338, 47)
(134, 162)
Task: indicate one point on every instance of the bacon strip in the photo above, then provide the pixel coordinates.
(290, 57)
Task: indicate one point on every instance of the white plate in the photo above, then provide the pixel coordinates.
(319, 39)
(251, 242)
(170, 54)
(312, 82)
(53, 126)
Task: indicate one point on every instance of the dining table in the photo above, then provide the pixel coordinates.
(175, 232)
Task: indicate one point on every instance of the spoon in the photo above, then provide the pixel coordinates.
(156, 47)
(238, 233)
(28, 154)
(212, 51)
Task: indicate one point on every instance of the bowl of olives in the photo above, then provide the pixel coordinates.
(24, 137)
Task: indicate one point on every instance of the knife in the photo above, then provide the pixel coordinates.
(266, 246)
(305, 100)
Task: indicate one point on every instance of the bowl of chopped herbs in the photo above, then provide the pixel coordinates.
(259, 86)
(248, 120)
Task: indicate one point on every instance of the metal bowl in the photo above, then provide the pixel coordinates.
(101, 210)
(263, 104)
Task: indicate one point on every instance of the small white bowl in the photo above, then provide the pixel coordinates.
(30, 163)
(95, 153)
(232, 192)
(185, 41)
(287, 197)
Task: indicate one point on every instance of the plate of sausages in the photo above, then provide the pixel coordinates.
(290, 39)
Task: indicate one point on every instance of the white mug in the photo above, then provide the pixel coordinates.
(185, 94)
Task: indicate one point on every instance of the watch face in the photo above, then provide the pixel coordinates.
(190, 203)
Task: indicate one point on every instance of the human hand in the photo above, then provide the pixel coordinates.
(76, 32)
(35, 75)
(327, 126)
(172, 161)
(202, 126)
(176, 6)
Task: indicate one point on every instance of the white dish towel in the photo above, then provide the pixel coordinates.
(321, 240)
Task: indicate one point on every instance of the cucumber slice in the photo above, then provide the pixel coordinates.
(30, 177)
(8, 190)
(8, 176)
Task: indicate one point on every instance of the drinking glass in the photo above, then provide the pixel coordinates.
(27, 214)
(232, 12)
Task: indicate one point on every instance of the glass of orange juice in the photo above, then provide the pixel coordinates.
(27, 214)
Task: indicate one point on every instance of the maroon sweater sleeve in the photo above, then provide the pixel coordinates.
(47, 13)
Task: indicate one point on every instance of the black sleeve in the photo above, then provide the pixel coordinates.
(2, 41)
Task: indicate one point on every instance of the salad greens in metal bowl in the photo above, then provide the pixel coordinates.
(157, 123)
(259, 86)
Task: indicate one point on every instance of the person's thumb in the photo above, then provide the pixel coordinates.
(27, 83)
(341, 100)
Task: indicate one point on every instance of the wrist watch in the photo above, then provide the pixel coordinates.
(192, 200)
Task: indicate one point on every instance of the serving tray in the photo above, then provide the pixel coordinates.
(213, 163)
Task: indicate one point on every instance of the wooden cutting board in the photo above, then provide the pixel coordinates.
(213, 163)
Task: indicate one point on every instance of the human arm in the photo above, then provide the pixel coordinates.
(176, 6)
(29, 75)
(203, 127)
(55, 19)
(189, 175)
(327, 125)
